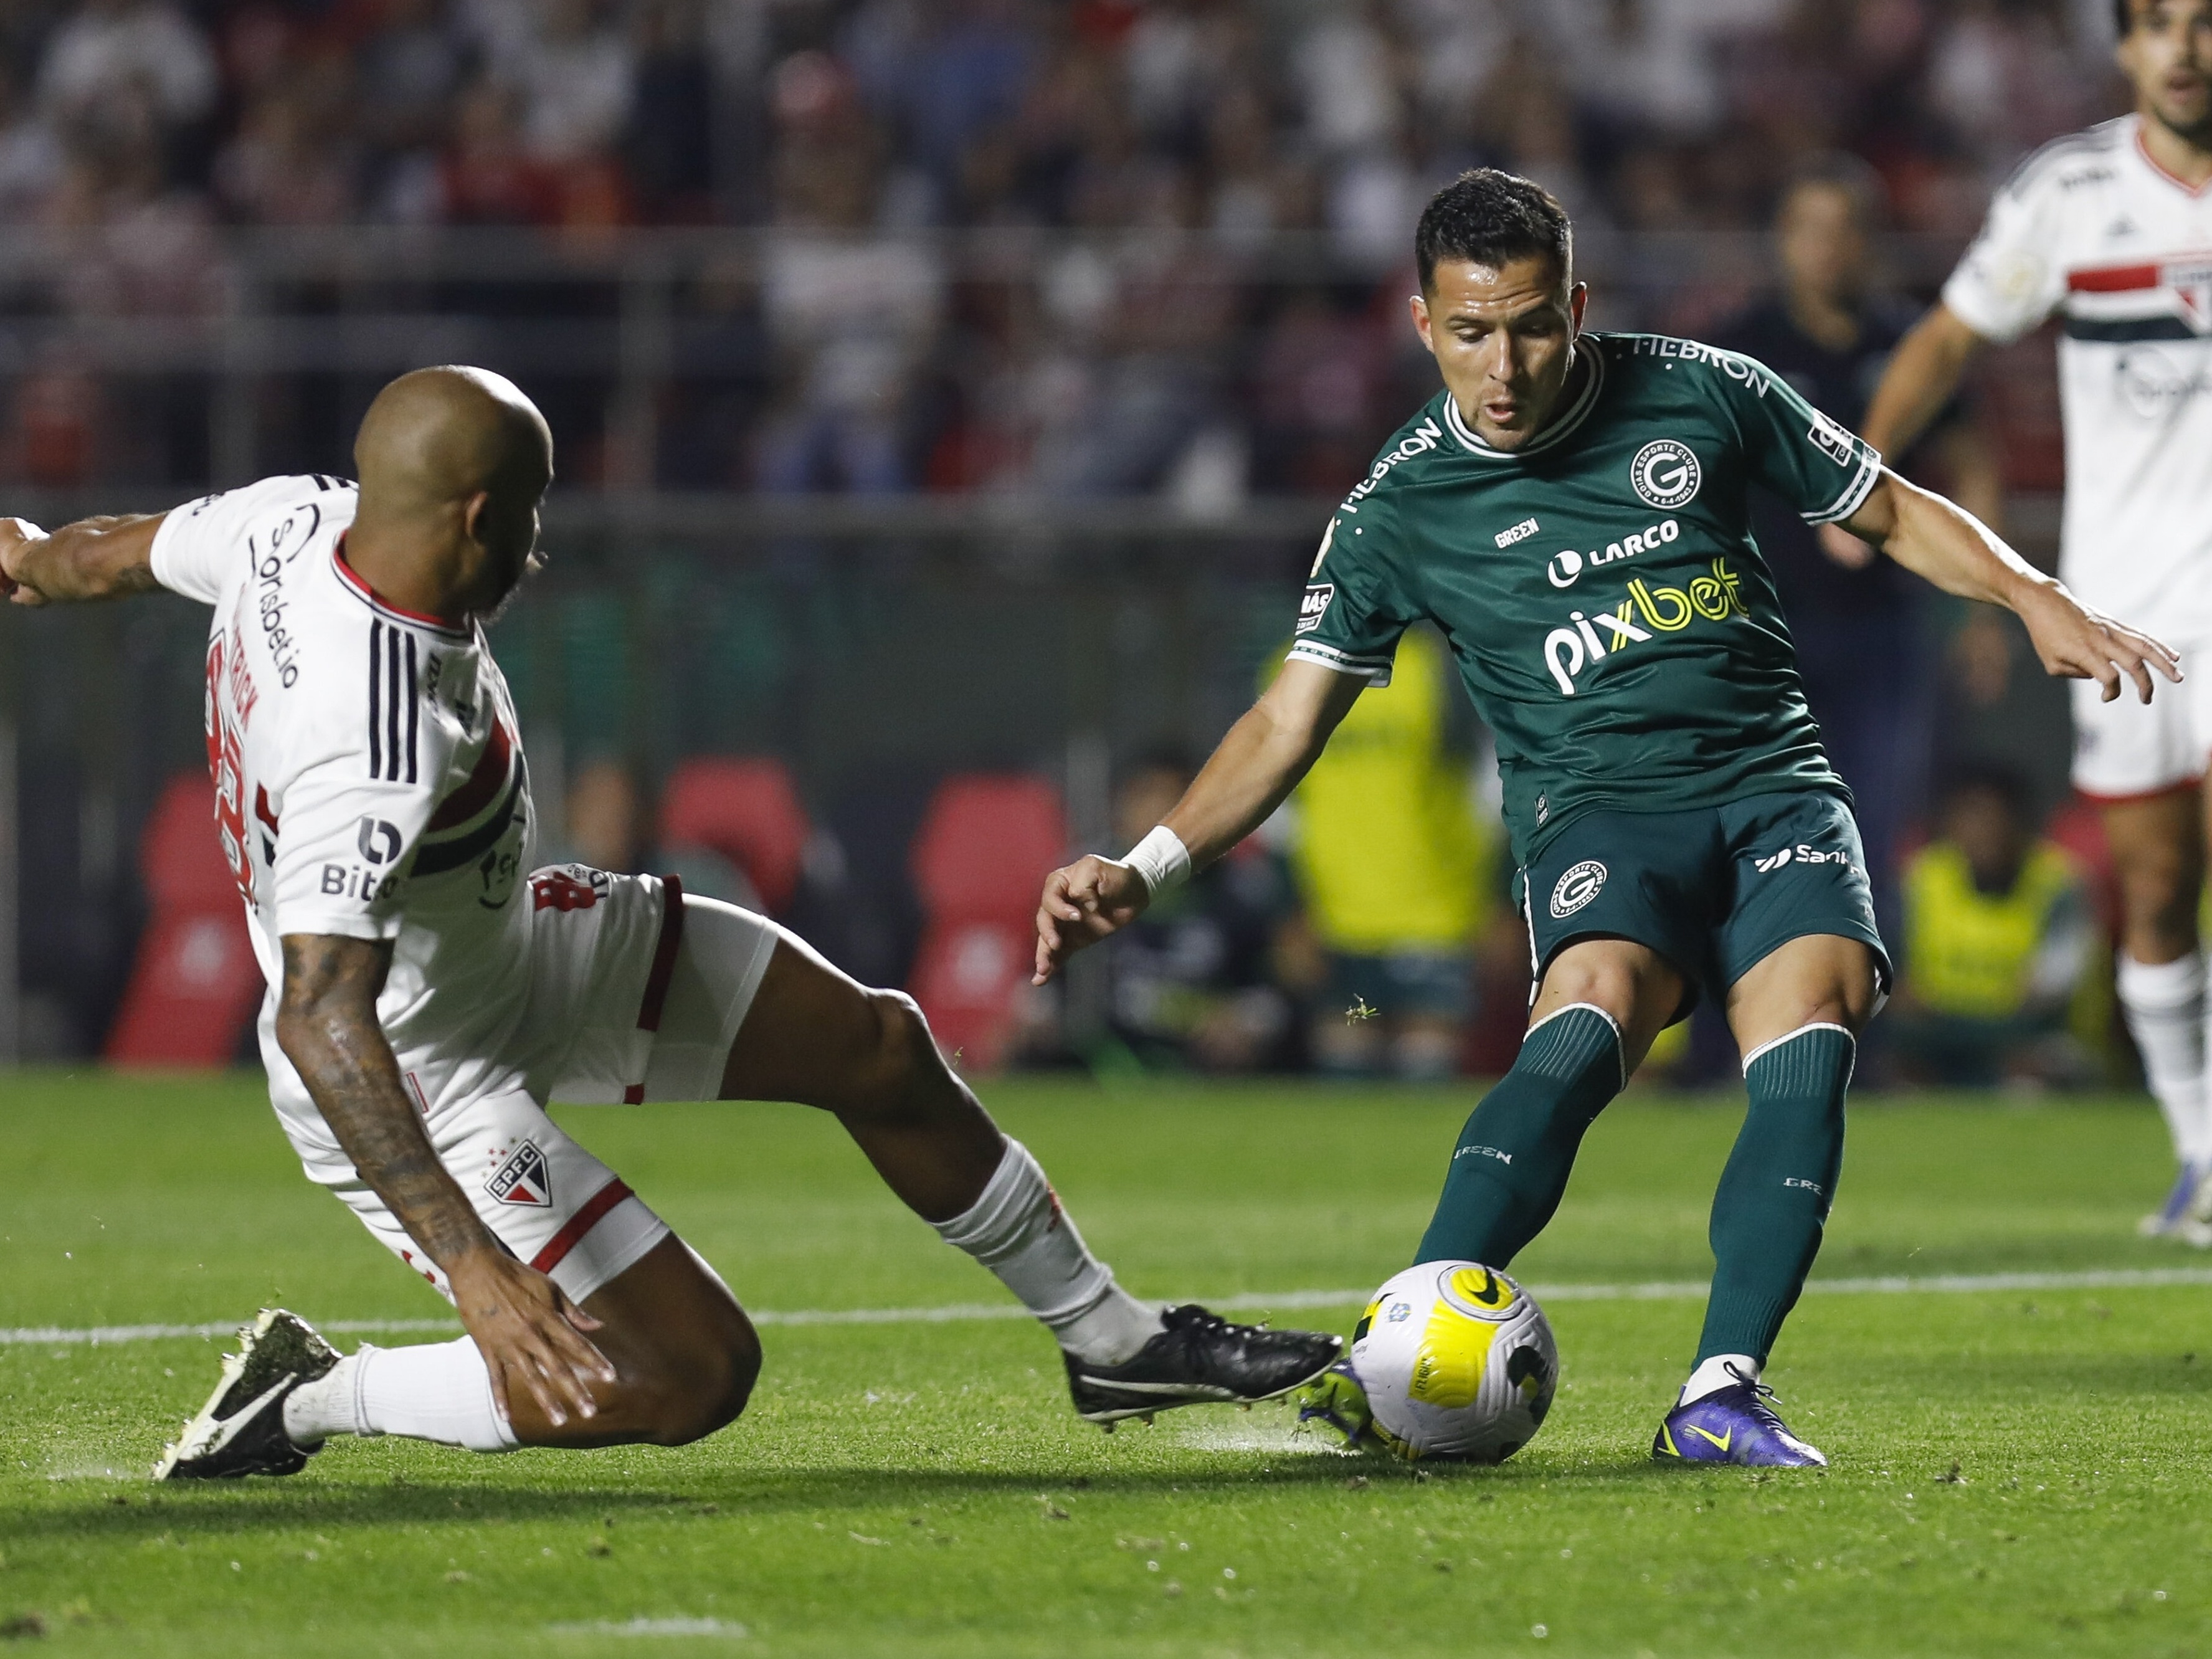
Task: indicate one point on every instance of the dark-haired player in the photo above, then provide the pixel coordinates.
(2111, 229)
(1570, 511)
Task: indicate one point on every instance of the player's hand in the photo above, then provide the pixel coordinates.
(1842, 548)
(16, 537)
(530, 1334)
(2076, 643)
(1083, 902)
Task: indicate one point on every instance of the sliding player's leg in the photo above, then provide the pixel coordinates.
(1603, 1002)
(812, 1034)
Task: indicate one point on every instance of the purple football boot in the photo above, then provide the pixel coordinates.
(1733, 1425)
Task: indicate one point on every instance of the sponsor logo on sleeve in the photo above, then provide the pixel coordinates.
(1315, 606)
(379, 841)
(1665, 473)
(1836, 443)
(1577, 888)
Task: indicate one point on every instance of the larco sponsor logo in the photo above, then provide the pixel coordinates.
(1580, 883)
(1314, 607)
(1800, 854)
(1665, 473)
(1563, 566)
(1568, 651)
(1520, 532)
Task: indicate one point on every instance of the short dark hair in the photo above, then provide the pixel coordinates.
(1488, 216)
(2124, 18)
(2008, 784)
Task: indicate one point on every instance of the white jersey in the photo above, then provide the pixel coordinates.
(368, 780)
(2089, 227)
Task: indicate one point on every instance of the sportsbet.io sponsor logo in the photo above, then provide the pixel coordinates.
(1664, 473)
(1582, 883)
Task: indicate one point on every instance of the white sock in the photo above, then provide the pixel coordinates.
(438, 1391)
(2164, 1003)
(1016, 1229)
(1723, 1370)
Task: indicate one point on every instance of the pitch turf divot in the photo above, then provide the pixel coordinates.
(1665, 1290)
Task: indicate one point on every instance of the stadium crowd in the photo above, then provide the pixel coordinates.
(140, 129)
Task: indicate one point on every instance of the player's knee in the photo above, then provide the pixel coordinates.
(706, 1387)
(897, 1049)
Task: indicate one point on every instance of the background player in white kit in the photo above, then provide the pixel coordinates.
(2111, 229)
(428, 994)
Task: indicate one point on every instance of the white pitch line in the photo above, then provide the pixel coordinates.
(1664, 1290)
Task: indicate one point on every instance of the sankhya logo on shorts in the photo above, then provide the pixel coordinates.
(1665, 473)
(1582, 884)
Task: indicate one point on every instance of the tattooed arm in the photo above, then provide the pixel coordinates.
(91, 559)
(526, 1330)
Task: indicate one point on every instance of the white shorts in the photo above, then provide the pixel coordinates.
(636, 992)
(2124, 750)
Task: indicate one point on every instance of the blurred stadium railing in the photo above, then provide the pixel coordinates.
(1042, 620)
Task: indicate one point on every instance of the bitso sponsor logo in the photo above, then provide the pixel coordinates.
(1580, 883)
(379, 841)
(1315, 606)
(1520, 532)
(1665, 473)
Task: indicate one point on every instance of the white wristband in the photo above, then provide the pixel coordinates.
(1162, 859)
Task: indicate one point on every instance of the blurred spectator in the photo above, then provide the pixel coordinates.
(1999, 935)
(1390, 860)
(408, 77)
(109, 49)
(1855, 617)
(850, 320)
(1191, 979)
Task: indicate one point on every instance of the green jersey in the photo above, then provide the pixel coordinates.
(1608, 610)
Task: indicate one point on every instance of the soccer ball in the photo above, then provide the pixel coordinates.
(1457, 1361)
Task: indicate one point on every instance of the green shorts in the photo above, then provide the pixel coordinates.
(1713, 892)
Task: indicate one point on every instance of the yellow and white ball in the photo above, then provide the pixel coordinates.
(1457, 1361)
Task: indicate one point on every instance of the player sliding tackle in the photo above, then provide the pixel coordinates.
(1570, 512)
(428, 994)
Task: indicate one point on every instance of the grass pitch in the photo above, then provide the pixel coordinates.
(2016, 1471)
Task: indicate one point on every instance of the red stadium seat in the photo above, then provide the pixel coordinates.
(979, 859)
(747, 811)
(196, 983)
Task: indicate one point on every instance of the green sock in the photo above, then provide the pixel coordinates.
(1513, 1157)
(1774, 1195)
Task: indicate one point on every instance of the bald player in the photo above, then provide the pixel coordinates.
(429, 992)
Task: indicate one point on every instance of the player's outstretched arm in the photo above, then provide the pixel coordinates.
(1923, 375)
(91, 559)
(530, 1334)
(1258, 763)
(1941, 541)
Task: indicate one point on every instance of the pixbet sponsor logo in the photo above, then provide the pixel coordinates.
(1564, 567)
(1646, 609)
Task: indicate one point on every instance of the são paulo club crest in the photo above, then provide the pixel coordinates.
(1665, 473)
(1580, 883)
(525, 1178)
